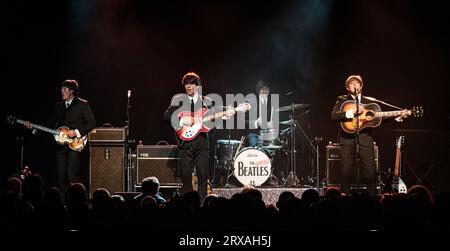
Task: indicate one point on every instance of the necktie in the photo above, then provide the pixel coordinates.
(192, 105)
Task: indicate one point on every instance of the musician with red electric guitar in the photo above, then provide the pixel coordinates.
(188, 114)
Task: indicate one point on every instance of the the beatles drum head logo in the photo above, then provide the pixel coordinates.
(252, 167)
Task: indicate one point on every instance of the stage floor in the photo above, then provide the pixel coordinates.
(270, 195)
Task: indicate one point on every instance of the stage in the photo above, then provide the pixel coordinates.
(270, 195)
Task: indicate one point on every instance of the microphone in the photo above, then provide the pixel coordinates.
(129, 93)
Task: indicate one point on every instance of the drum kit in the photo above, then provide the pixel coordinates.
(252, 164)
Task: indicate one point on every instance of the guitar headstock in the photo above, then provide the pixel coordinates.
(11, 120)
(400, 141)
(417, 111)
(243, 107)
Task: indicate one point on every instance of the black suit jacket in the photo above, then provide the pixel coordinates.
(263, 111)
(78, 116)
(365, 135)
(202, 140)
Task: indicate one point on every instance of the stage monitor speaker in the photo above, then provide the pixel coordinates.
(334, 165)
(160, 161)
(106, 168)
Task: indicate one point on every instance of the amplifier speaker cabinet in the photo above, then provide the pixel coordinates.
(160, 161)
(107, 135)
(334, 166)
(106, 168)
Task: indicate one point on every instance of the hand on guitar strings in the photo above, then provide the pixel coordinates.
(72, 134)
(229, 113)
(404, 115)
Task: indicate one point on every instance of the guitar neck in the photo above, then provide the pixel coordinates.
(216, 115)
(42, 128)
(390, 113)
(397, 163)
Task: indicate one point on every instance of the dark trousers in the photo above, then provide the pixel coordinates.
(363, 173)
(68, 164)
(198, 158)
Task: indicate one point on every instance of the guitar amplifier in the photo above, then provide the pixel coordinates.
(106, 168)
(160, 161)
(109, 135)
(334, 166)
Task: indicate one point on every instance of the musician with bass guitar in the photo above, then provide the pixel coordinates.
(73, 119)
(350, 109)
(187, 112)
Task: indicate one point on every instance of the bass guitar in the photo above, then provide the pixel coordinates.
(60, 134)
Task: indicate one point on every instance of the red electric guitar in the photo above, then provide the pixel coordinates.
(193, 121)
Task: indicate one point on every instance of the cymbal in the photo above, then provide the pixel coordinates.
(287, 122)
(292, 106)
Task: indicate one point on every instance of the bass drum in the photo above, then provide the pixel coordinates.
(252, 166)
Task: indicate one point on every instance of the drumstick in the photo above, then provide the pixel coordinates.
(239, 147)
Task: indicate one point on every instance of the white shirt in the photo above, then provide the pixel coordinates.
(350, 113)
(359, 97)
(263, 101)
(67, 103)
(195, 98)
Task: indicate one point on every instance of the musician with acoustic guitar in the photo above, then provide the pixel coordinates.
(187, 112)
(358, 120)
(72, 119)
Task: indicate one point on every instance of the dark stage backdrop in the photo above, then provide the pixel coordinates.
(401, 48)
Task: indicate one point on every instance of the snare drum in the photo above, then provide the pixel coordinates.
(252, 166)
(225, 151)
(269, 140)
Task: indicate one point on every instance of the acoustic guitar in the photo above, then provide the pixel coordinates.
(371, 115)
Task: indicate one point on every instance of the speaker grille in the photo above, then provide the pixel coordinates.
(334, 165)
(334, 168)
(158, 161)
(107, 168)
(107, 135)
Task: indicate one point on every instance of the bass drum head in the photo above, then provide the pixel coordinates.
(252, 167)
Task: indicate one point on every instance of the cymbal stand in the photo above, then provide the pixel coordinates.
(316, 149)
(229, 162)
(292, 179)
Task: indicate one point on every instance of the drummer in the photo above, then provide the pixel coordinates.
(264, 120)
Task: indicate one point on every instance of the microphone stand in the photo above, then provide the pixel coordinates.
(20, 139)
(356, 137)
(128, 141)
